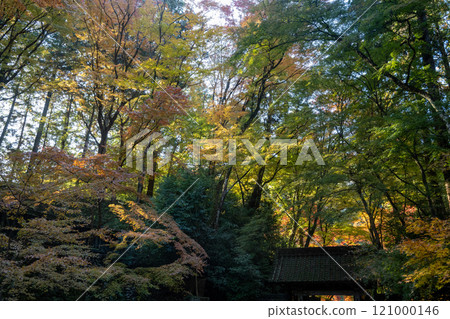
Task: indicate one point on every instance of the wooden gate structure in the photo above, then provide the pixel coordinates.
(305, 273)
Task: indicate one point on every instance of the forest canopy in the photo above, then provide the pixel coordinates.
(321, 123)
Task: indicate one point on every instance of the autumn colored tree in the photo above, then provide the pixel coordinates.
(358, 90)
(61, 240)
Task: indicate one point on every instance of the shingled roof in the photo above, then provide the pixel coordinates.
(313, 265)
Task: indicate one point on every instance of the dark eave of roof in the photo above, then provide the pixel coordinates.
(314, 265)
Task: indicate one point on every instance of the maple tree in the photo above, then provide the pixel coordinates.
(367, 82)
(428, 252)
(59, 243)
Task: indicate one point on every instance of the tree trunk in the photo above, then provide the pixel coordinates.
(103, 142)
(255, 198)
(291, 241)
(447, 185)
(140, 187)
(8, 120)
(40, 131)
(223, 195)
(375, 237)
(65, 132)
(44, 139)
(311, 231)
(19, 143)
(88, 133)
(151, 177)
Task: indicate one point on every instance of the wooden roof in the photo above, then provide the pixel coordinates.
(313, 265)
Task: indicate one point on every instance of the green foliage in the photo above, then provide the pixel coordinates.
(367, 81)
(240, 251)
(384, 269)
(428, 266)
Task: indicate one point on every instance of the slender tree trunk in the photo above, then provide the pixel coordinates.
(140, 186)
(8, 120)
(291, 241)
(447, 185)
(88, 133)
(311, 231)
(255, 199)
(170, 169)
(223, 195)
(151, 177)
(122, 150)
(65, 132)
(372, 224)
(141, 179)
(19, 143)
(395, 209)
(40, 131)
(47, 128)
